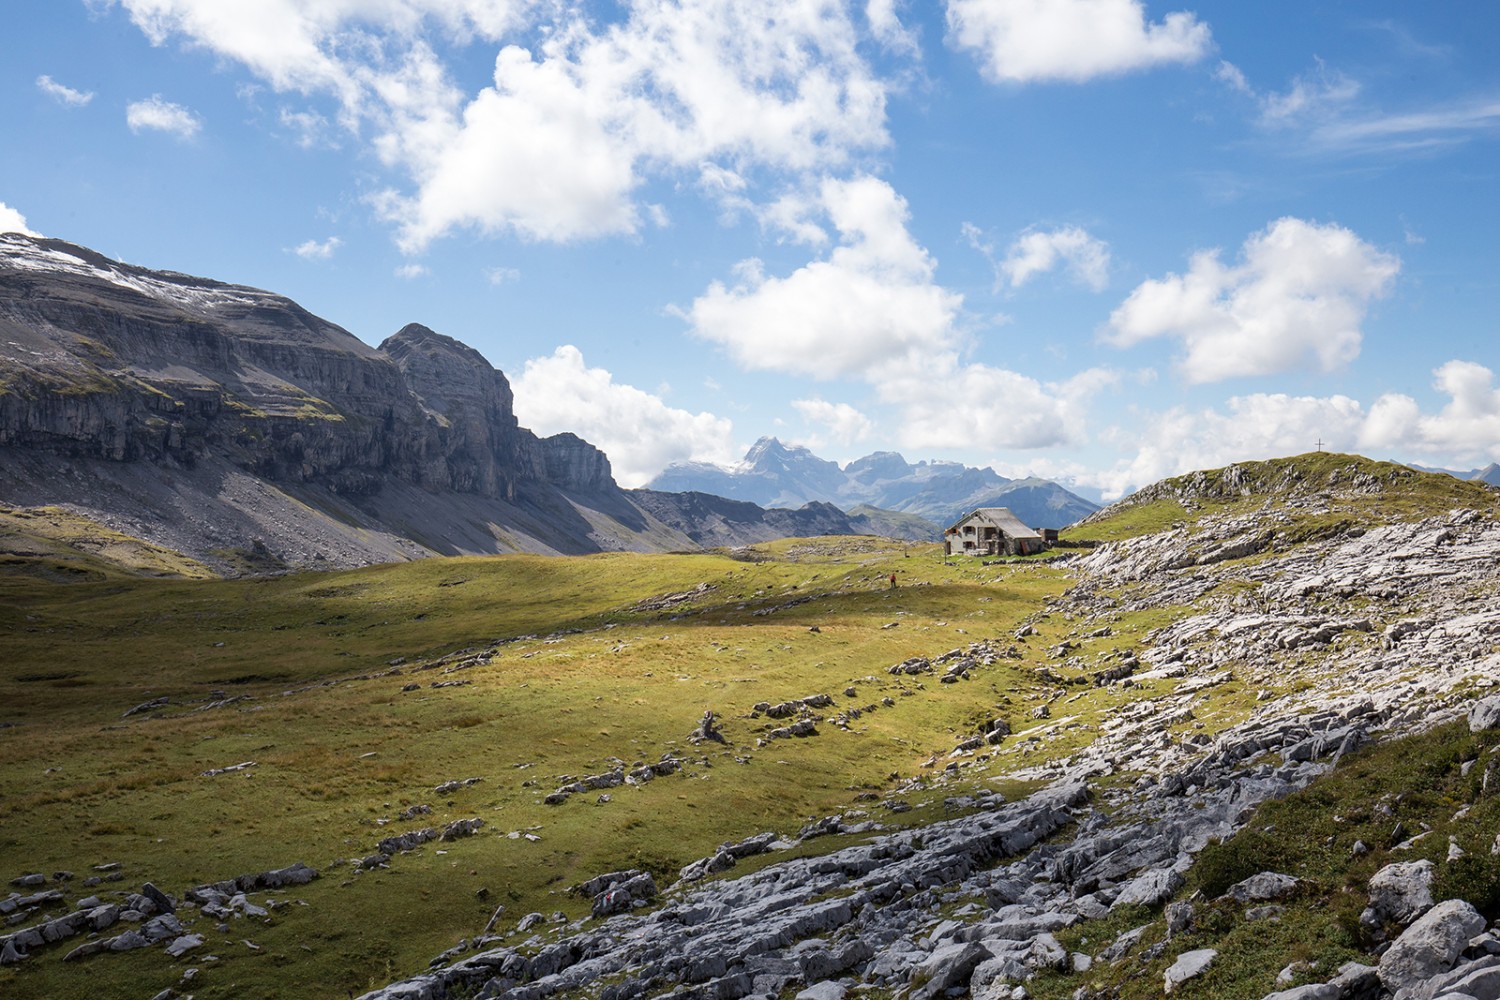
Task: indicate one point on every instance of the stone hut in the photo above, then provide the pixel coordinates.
(991, 531)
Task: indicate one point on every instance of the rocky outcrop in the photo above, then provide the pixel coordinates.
(111, 361)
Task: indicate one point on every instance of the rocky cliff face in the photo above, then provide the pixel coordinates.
(106, 360)
(210, 417)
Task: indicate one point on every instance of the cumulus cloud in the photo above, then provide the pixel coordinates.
(412, 271)
(887, 27)
(12, 221)
(313, 250)
(502, 275)
(555, 149)
(557, 144)
(1039, 251)
(638, 431)
(1295, 300)
(1467, 427)
(1021, 41)
(63, 94)
(1258, 426)
(844, 424)
(871, 300)
(162, 116)
(947, 404)
(338, 46)
(1464, 432)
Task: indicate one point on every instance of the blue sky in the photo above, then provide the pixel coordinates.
(1098, 240)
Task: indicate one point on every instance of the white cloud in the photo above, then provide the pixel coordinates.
(872, 300)
(640, 433)
(310, 128)
(555, 149)
(162, 116)
(63, 94)
(1020, 41)
(1464, 433)
(886, 26)
(313, 250)
(557, 146)
(336, 46)
(1039, 251)
(12, 221)
(1443, 125)
(502, 275)
(1232, 75)
(1311, 96)
(948, 405)
(845, 424)
(1296, 300)
(412, 271)
(1322, 111)
(1467, 428)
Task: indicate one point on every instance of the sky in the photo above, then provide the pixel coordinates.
(1101, 241)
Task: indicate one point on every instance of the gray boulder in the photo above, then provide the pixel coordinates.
(1484, 714)
(948, 966)
(1153, 887)
(827, 990)
(1189, 965)
(1262, 887)
(1399, 893)
(184, 944)
(1431, 945)
(1480, 980)
(128, 941)
(1312, 991)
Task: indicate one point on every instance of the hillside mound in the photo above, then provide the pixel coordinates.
(1315, 485)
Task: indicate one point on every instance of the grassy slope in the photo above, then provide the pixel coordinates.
(57, 545)
(1324, 490)
(86, 786)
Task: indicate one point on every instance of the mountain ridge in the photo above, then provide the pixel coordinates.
(774, 473)
(221, 420)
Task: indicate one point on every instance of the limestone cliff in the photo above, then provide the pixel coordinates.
(145, 384)
(212, 418)
(111, 361)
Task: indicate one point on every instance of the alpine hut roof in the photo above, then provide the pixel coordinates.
(999, 517)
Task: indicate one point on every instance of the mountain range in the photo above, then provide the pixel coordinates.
(1489, 474)
(230, 424)
(780, 475)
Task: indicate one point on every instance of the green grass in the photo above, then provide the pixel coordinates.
(583, 671)
(579, 661)
(58, 545)
(1328, 492)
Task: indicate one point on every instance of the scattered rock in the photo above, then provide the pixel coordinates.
(1399, 894)
(1189, 965)
(1431, 945)
(1484, 714)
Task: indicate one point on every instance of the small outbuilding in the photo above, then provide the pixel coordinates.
(991, 531)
